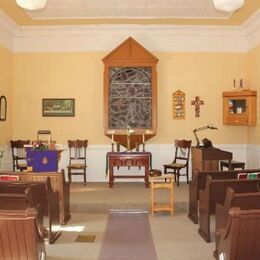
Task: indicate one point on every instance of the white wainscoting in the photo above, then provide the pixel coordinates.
(253, 156)
(161, 154)
(6, 160)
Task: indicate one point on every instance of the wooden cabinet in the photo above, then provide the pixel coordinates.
(239, 108)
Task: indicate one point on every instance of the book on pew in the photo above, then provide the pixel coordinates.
(241, 176)
(252, 176)
(249, 176)
(9, 178)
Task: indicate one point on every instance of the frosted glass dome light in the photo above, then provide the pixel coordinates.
(32, 4)
(228, 5)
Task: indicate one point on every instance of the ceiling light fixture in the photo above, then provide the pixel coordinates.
(228, 5)
(32, 4)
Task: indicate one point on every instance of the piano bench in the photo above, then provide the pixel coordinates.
(234, 165)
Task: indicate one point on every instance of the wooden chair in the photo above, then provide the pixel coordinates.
(181, 160)
(19, 154)
(20, 235)
(77, 162)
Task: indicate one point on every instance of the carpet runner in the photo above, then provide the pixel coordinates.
(128, 236)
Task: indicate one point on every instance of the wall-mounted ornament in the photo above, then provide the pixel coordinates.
(197, 103)
(238, 84)
(178, 104)
(3, 108)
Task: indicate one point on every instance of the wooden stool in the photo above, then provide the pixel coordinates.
(234, 165)
(158, 182)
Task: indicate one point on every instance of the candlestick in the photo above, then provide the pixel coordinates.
(112, 147)
(128, 142)
(143, 138)
(137, 146)
(234, 84)
(118, 147)
(112, 138)
(241, 83)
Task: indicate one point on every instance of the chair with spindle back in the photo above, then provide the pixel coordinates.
(77, 158)
(181, 160)
(19, 154)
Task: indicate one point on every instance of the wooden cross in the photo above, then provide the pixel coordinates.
(197, 103)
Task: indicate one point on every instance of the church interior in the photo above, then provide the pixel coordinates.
(129, 129)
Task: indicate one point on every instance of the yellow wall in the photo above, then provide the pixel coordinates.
(254, 83)
(205, 75)
(6, 64)
(80, 76)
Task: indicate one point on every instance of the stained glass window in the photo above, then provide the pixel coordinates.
(130, 97)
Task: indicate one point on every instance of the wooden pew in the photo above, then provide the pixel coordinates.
(10, 201)
(240, 239)
(17, 200)
(244, 201)
(41, 197)
(215, 192)
(198, 182)
(20, 236)
(58, 184)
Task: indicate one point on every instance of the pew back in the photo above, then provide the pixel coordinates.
(218, 189)
(199, 181)
(42, 197)
(20, 237)
(58, 184)
(38, 192)
(16, 201)
(240, 240)
(215, 192)
(244, 201)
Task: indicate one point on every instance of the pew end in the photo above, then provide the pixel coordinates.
(240, 239)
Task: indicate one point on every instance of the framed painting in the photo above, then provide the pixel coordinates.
(58, 107)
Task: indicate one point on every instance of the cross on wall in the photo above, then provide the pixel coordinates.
(197, 103)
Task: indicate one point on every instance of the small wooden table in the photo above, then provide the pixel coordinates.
(128, 159)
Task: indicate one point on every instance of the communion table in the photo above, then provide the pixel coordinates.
(128, 159)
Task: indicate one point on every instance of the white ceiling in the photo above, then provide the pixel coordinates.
(78, 9)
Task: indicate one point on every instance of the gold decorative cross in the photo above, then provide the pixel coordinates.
(197, 103)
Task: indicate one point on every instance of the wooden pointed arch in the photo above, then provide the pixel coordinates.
(130, 51)
(130, 54)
